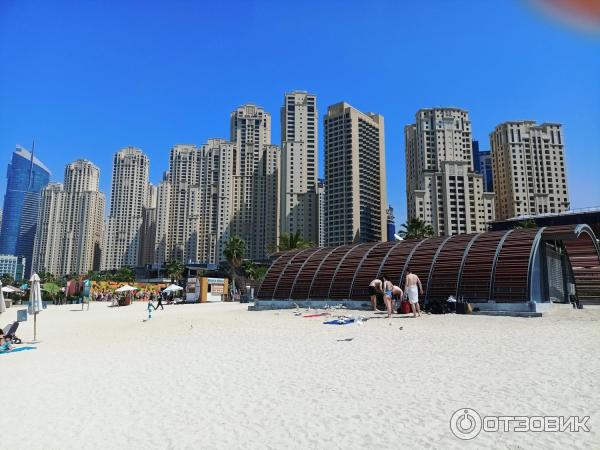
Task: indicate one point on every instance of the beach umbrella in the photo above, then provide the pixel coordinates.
(10, 289)
(35, 301)
(126, 288)
(2, 304)
(172, 288)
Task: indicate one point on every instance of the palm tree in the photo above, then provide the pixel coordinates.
(7, 279)
(250, 269)
(416, 229)
(293, 241)
(175, 270)
(47, 277)
(125, 274)
(52, 289)
(235, 250)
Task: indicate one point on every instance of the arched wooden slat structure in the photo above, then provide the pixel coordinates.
(369, 270)
(267, 287)
(445, 272)
(494, 266)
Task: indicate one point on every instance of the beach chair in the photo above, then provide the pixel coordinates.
(9, 333)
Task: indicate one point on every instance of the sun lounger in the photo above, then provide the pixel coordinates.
(9, 333)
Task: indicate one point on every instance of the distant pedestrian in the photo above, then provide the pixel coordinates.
(160, 302)
(413, 288)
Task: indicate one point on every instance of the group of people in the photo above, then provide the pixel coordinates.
(383, 287)
(109, 296)
(145, 296)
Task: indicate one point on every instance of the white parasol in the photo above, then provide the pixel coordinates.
(2, 304)
(126, 288)
(35, 301)
(172, 288)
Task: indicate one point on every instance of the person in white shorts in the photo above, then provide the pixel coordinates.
(413, 287)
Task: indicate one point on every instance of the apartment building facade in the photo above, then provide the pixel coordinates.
(123, 237)
(355, 191)
(298, 204)
(71, 223)
(442, 187)
(529, 169)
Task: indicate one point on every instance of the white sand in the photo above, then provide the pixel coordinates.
(218, 376)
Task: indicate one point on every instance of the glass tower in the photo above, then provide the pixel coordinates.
(26, 177)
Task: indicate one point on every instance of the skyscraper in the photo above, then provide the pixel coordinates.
(162, 240)
(71, 223)
(299, 165)
(127, 201)
(216, 187)
(149, 221)
(355, 191)
(256, 180)
(178, 207)
(26, 177)
(529, 168)
(441, 186)
(391, 224)
(476, 159)
(485, 169)
(321, 207)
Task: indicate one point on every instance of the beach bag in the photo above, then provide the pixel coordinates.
(404, 307)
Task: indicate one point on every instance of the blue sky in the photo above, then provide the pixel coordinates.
(85, 78)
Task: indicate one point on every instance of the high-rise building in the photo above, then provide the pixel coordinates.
(178, 207)
(529, 169)
(216, 187)
(26, 177)
(12, 265)
(195, 203)
(476, 160)
(162, 241)
(148, 230)
(123, 237)
(355, 191)
(391, 224)
(442, 188)
(256, 180)
(71, 223)
(299, 144)
(485, 169)
(321, 203)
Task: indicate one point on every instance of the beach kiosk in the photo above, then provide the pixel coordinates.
(206, 289)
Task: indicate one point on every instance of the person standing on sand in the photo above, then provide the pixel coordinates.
(160, 301)
(413, 288)
(396, 296)
(388, 288)
(375, 289)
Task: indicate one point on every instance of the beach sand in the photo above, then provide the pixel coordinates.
(219, 376)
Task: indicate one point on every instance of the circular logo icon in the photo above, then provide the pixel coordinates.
(465, 423)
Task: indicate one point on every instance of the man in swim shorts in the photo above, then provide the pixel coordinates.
(375, 289)
(413, 288)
